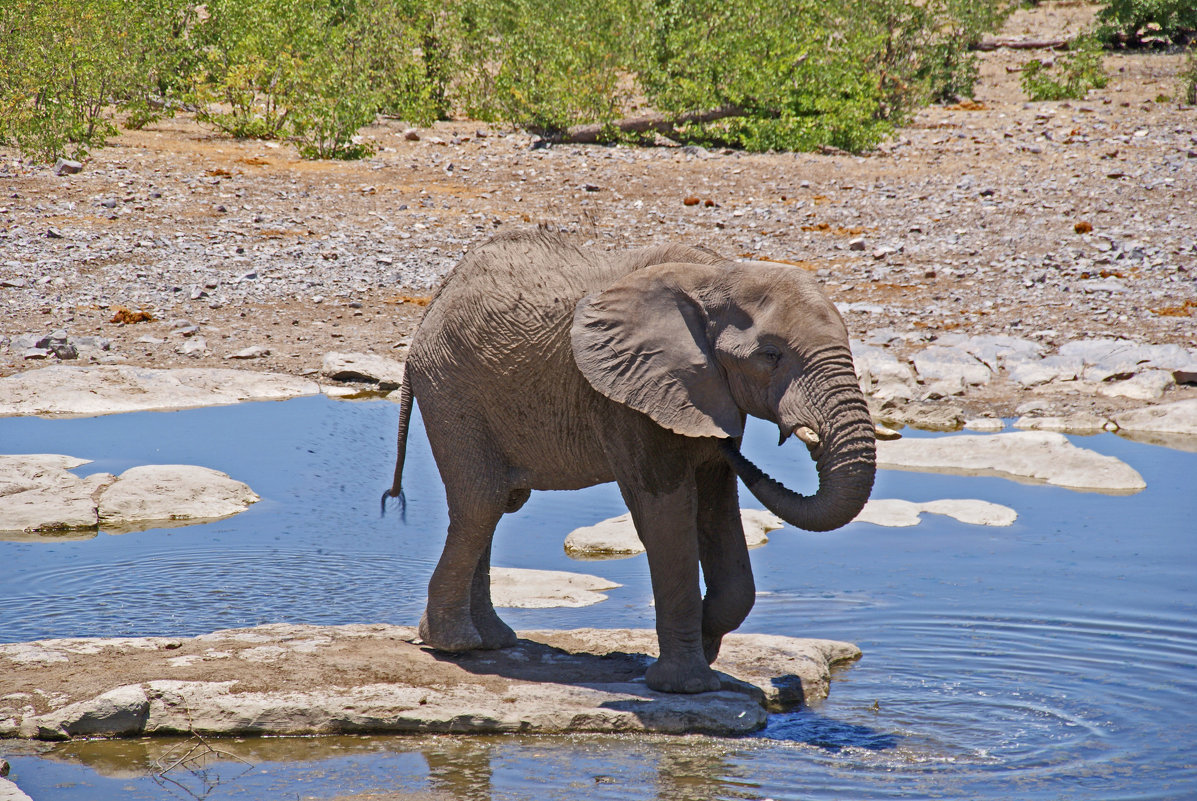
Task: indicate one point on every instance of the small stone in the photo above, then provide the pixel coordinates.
(857, 244)
(411, 135)
(67, 167)
(194, 347)
(252, 352)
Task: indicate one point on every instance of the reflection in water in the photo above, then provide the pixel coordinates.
(1051, 659)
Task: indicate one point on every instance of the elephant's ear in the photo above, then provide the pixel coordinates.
(643, 342)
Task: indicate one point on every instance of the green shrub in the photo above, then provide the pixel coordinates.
(59, 73)
(1137, 22)
(547, 64)
(1071, 77)
(1188, 79)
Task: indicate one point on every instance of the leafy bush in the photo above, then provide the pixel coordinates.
(1137, 22)
(812, 72)
(1070, 78)
(1188, 79)
(547, 64)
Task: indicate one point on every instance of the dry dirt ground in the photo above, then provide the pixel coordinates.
(1053, 221)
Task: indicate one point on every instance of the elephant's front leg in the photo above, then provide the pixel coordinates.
(726, 567)
(666, 524)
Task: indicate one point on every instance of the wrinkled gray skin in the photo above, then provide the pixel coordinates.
(543, 366)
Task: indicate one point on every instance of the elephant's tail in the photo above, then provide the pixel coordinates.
(396, 490)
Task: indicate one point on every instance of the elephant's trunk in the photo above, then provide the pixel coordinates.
(846, 454)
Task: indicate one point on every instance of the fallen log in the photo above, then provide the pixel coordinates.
(1022, 44)
(664, 124)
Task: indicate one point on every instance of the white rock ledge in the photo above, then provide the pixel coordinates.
(520, 588)
(62, 391)
(896, 513)
(290, 679)
(1042, 456)
(40, 498)
(616, 538)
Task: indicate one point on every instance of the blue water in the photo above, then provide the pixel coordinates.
(1053, 659)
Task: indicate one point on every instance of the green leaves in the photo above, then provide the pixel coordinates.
(1071, 77)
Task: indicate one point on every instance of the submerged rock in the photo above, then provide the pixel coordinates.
(41, 499)
(897, 513)
(519, 588)
(1038, 455)
(109, 389)
(291, 679)
(616, 537)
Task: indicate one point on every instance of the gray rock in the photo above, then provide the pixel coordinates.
(1037, 372)
(893, 512)
(145, 495)
(194, 347)
(252, 352)
(40, 497)
(940, 363)
(67, 167)
(1147, 385)
(108, 389)
(1179, 417)
(10, 792)
(519, 588)
(1036, 455)
(1073, 424)
(616, 538)
(279, 679)
(38, 493)
(366, 367)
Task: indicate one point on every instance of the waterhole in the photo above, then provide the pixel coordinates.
(1054, 658)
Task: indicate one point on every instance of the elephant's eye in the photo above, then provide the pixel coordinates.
(770, 355)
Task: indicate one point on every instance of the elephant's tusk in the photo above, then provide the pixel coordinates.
(883, 433)
(807, 435)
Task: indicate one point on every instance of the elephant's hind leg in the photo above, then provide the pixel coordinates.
(726, 568)
(459, 615)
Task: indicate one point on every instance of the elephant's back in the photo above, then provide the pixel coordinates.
(508, 300)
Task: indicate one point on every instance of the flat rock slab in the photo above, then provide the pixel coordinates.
(897, 513)
(40, 498)
(1172, 425)
(616, 537)
(520, 588)
(62, 391)
(1042, 456)
(292, 679)
(365, 367)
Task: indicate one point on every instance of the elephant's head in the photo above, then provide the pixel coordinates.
(696, 347)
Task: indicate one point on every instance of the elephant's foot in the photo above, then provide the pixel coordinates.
(494, 632)
(445, 633)
(681, 677)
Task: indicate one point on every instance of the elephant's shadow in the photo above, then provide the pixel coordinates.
(617, 670)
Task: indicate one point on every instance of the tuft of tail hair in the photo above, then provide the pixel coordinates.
(396, 490)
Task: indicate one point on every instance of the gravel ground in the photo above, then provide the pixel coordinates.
(1054, 222)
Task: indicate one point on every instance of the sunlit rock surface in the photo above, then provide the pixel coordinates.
(293, 679)
(897, 513)
(59, 390)
(616, 538)
(1170, 424)
(367, 368)
(1033, 455)
(41, 499)
(520, 588)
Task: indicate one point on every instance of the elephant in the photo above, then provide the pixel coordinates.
(541, 365)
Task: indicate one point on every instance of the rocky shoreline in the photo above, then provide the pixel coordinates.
(1067, 226)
